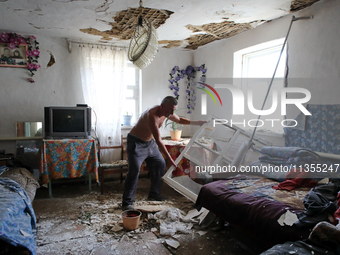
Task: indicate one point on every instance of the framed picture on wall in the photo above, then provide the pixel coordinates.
(13, 57)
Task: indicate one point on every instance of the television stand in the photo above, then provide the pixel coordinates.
(68, 158)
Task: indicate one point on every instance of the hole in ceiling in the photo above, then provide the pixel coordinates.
(214, 31)
(297, 5)
(125, 22)
(170, 44)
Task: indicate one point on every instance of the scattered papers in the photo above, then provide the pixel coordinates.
(117, 228)
(169, 229)
(172, 220)
(203, 215)
(171, 213)
(192, 214)
(172, 243)
(288, 218)
(324, 181)
(202, 233)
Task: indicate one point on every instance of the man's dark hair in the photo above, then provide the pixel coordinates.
(169, 100)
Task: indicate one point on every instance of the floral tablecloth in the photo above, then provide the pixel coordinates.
(68, 159)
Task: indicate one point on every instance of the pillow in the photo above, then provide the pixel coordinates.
(24, 178)
(262, 167)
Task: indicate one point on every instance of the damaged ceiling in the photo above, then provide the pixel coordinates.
(185, 24)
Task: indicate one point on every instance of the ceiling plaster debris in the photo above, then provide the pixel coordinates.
(169, 44)
(113, 22)
(67, 1)
(217, 31)
(85, 223)
(297, 5)
(213, 32)
(126, 20)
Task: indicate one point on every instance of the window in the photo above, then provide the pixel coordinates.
(133, 96)
(253, 71)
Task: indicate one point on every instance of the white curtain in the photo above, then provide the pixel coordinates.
(102, 71)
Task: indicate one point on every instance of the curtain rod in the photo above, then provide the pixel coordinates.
(69, 42)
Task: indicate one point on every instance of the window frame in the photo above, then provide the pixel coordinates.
(238, 55)
(137, 95)
(240, 67)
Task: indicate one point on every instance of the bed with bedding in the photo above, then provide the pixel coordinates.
(251, 203)
(284, 205)
(270, 207)
(17, 217)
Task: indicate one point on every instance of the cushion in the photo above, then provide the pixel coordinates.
(24, 178)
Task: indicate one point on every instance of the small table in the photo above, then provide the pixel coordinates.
(68, 158)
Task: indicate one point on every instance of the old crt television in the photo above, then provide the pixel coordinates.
(67, 122)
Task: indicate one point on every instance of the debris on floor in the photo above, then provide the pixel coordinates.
(91, 224)
(152, 206)
(173, 243)
(288, 218)
(97, 220)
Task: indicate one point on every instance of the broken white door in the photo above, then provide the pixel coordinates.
(210, 151)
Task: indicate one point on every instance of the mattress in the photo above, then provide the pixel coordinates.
(251, 203)
(17, 218)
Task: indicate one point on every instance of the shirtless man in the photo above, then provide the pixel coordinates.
(144, 143)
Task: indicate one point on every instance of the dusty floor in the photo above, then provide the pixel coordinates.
(75, 221)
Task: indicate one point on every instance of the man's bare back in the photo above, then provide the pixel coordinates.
(142, 128)
(151, 120)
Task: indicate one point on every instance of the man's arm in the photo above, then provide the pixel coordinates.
(184, 121)
(157, 136)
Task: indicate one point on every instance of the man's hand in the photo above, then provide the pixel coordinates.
(201, 122)
(198, 122)
(172, 163)
(184, 121)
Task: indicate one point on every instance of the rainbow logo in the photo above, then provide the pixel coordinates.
(209, 93)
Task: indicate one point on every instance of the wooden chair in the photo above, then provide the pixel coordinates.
(119, 166)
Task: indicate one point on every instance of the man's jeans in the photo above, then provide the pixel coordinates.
(137, 152)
